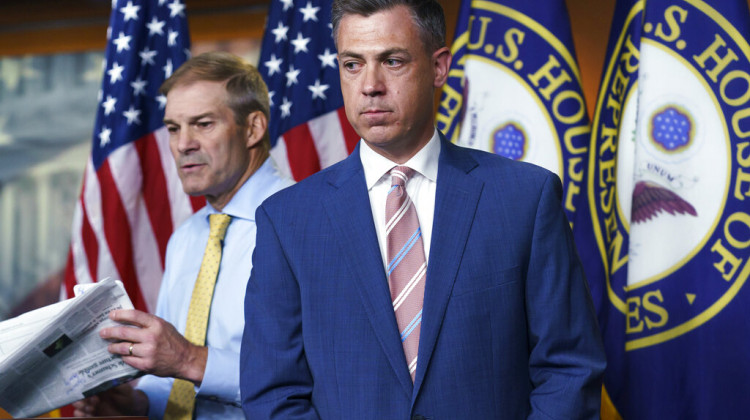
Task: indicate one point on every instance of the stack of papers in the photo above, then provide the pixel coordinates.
(53, 356)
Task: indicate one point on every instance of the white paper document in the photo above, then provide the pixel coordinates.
(53, 356)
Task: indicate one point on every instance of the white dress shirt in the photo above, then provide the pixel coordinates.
(421, 188)
(218, 397)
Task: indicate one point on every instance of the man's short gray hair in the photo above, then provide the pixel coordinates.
(427, 15)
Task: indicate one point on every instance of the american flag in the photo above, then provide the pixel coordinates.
(131, 199)
(309, 130)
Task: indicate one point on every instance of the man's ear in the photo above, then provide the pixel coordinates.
(257, 123)
(441, 59)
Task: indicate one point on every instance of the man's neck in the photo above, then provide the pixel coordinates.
(257, 157)
(400, 155)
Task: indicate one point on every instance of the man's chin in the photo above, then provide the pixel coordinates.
(378, 135)
(193, 190)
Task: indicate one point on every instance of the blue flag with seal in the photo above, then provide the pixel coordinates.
(669, 193)
(514, 89)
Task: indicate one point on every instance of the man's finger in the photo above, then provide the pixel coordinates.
(122, 333)
(132, 317)
(124, 348)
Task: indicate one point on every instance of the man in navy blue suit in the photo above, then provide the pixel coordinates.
(415, 279)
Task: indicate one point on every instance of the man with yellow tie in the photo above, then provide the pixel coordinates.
(217, 116)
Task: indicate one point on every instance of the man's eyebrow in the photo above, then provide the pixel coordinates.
(191, 120)
(350, 54)
(198, 117)
(381, 55)
(391, 51)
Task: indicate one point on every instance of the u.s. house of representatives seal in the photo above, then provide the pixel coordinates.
(669, 181)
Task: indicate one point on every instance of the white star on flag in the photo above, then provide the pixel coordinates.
(130, 11)
(274, 65)
(309, 12)
(139, 86)
(122, 42)
(172, 40)
(133, 115)
(115, 73)
(162, 100)
(327, 58)
(104, 136)
(287, 4)
(167, 69)
(300, 43)
(291, 75)
(109, 105)
(147, 56)
(176, 8)
(286, 108)
(280, 32)
(156, 26)
(318, 90)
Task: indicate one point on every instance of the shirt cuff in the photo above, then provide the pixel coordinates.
(221, 380)
(157, 390)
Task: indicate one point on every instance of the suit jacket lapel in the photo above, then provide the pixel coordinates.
(456, 201)
(348, 207)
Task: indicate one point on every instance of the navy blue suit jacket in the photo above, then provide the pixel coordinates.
(508, 328)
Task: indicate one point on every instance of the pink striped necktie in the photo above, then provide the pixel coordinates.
(407, 265)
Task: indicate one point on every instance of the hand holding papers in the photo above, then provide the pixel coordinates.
(54, 355)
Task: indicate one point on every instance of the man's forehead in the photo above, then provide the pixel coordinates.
(387, 14)
(198, 87)
(198, 93)
(389, 29)
(202, 91)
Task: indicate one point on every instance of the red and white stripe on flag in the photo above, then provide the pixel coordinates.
(314, 145)
(125, 216)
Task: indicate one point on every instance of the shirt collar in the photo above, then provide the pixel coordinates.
(425, 161)
(251, 194)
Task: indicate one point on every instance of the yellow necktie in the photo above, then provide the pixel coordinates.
(182, 398)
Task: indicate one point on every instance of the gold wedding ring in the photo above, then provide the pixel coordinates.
(130, 349)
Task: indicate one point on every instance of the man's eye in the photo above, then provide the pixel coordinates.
(391, 62)
(204, 124)
(172, 129)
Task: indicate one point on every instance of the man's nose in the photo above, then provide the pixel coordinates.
(373, 83)
(186, 141)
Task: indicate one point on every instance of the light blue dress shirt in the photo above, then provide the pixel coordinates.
(218, 397)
